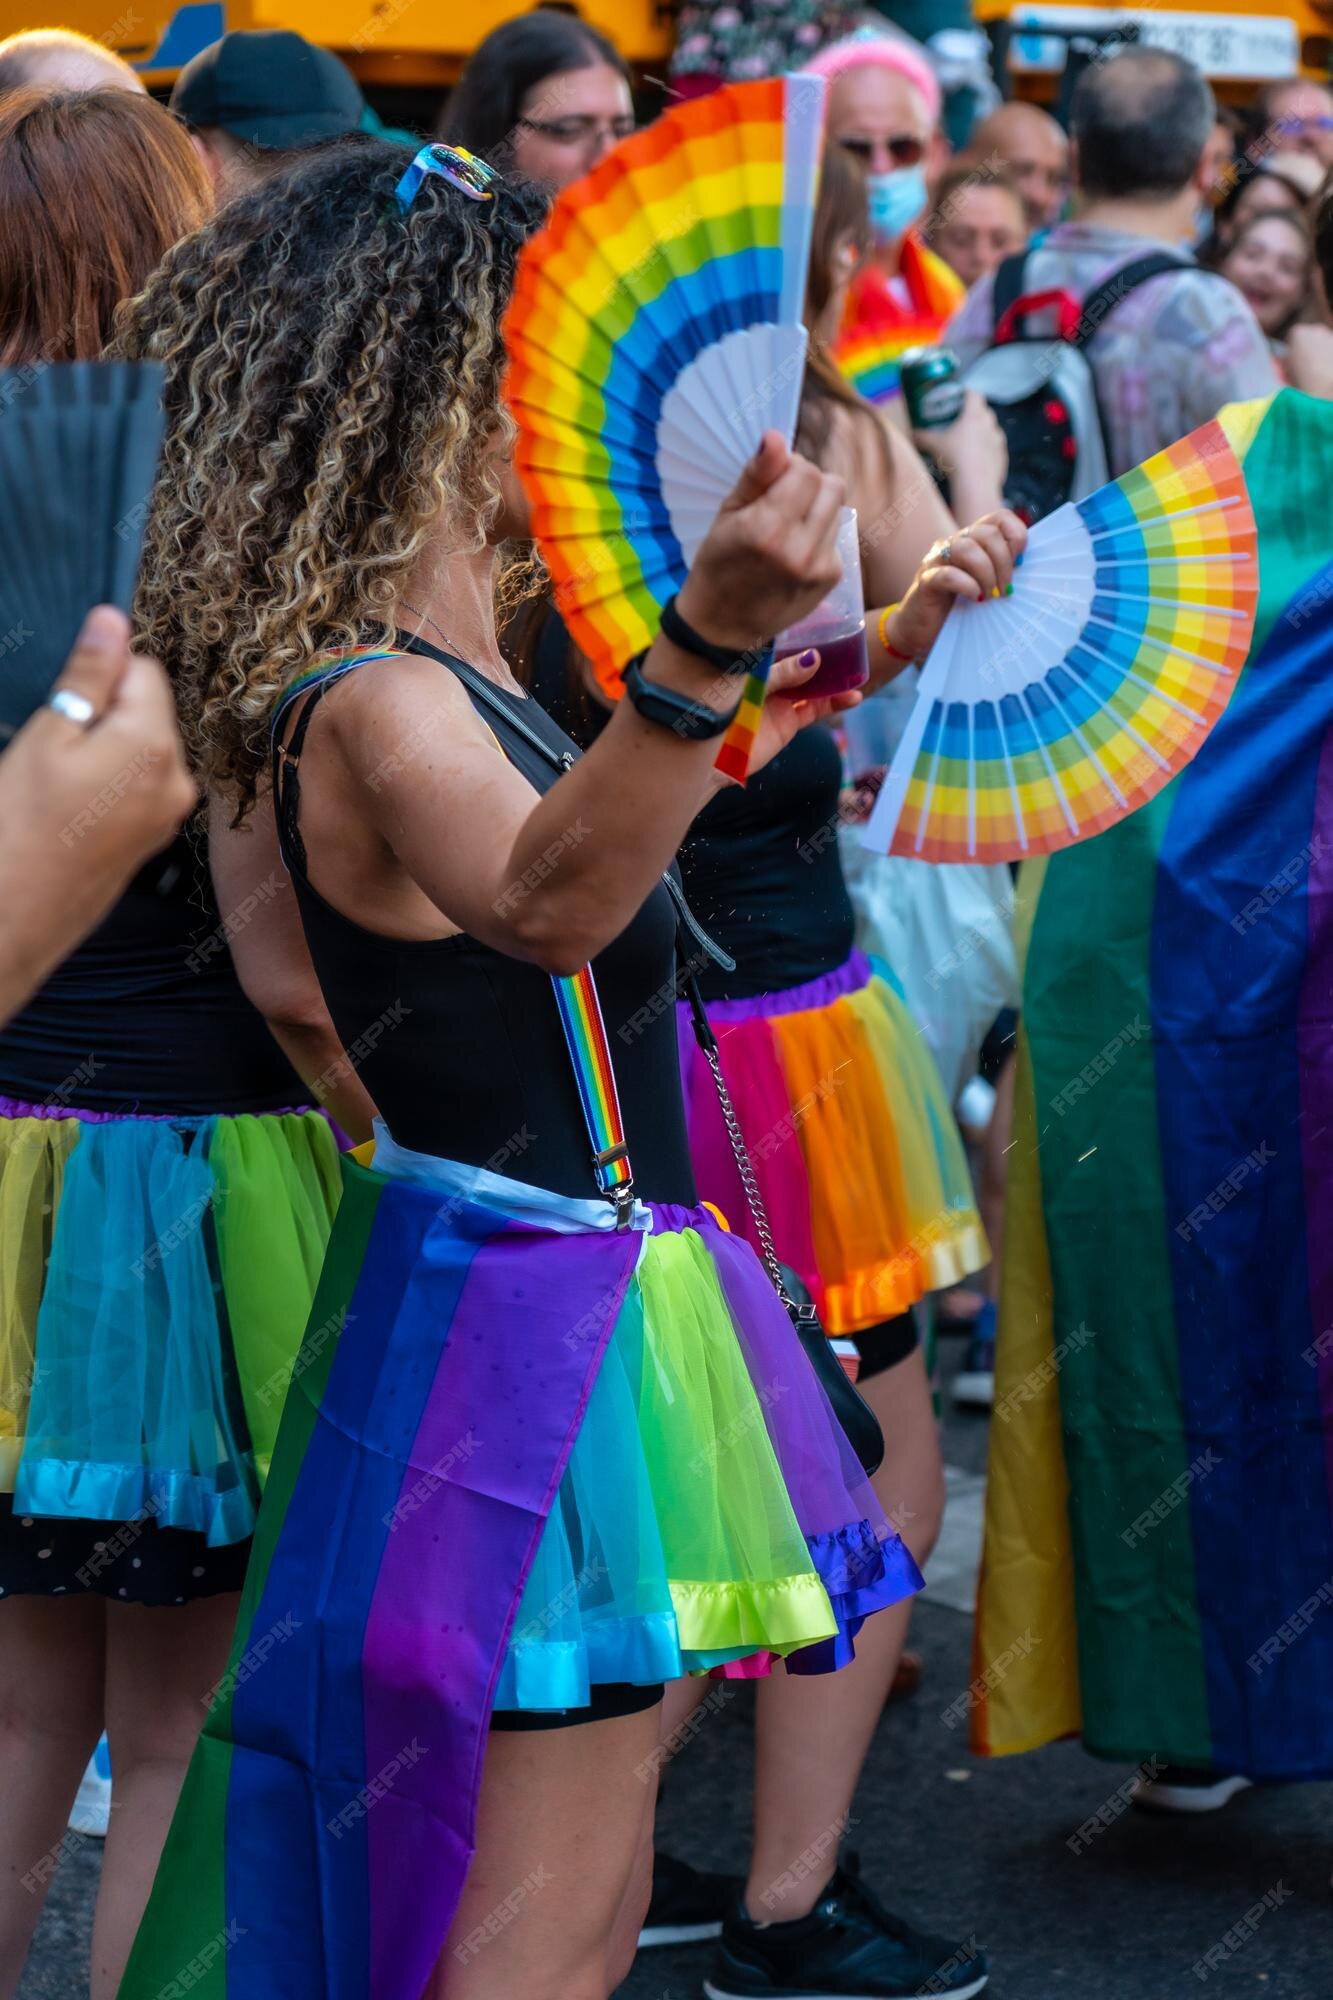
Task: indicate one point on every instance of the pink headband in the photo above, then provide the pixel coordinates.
(867, 45)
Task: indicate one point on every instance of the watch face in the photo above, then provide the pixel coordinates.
(669, 710)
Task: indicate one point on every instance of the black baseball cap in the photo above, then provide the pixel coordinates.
(271, 88)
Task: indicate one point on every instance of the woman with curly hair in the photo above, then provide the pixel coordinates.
(164, 1199)
(563, 1445)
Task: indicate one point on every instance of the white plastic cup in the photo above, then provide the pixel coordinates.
(836, 626)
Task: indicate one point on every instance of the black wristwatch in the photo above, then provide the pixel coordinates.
(669, 710)
(726, 659)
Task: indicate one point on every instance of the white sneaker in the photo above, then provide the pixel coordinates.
(91, 1812)
(1180, 1789)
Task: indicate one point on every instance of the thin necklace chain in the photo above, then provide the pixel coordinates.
(428, 620)
(449, 645)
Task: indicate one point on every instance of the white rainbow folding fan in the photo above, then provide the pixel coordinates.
(654, 335)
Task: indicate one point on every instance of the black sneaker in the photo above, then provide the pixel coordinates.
(848, 1948)
(687, 1905)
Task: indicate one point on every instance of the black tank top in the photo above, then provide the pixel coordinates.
(760, 865)
(461, 1047)
(147, 1014)
(761, 869)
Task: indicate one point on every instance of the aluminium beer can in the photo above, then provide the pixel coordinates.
(932, 387)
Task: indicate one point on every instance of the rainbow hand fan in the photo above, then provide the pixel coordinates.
(654, 335)
(1045, 716)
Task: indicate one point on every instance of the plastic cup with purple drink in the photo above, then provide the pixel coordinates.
(836, 627)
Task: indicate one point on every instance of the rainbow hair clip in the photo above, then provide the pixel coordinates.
(454, 164)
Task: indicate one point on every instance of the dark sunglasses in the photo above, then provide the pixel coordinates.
(905, 150)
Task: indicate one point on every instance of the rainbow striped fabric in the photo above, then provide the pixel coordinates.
(585, 1032)
(1160, 1507)
(617, 1496)
(655, 333)
(881, 325)
(1046, 715)
(331, 1805)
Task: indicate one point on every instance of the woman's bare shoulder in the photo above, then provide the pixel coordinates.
(403, 708)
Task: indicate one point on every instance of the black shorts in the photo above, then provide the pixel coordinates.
(610, 1699)
(130, 1562)
(885, 1345)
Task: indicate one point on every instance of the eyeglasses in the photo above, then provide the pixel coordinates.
(454, 164)
(905, 150)
(581, 130)
(1316, 122)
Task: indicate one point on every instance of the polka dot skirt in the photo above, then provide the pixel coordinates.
(131, 1562)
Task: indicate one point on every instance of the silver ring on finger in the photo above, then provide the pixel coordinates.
(75, 707)
(944, 553)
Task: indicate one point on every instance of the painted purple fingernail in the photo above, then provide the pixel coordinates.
(809, 658)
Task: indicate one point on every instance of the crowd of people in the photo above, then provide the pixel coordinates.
(292, 1090)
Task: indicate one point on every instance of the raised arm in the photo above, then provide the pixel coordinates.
(554, 880)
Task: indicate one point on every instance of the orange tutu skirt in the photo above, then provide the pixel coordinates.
(851, 1138)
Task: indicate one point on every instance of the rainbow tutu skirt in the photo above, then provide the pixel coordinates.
(525, 1452)
(155, 1276)
(850, 1136)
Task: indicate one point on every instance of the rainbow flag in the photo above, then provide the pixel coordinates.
(881, 326)
(421, 1557)
(323, 1835)
(1158, 1570)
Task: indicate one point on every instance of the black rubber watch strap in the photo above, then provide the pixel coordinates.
(725, 658)
(669, 710)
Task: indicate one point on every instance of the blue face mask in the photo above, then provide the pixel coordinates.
(896, 200)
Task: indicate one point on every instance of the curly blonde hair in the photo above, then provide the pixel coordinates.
(333, 395)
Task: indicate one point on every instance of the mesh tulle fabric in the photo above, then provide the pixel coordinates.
(723, 1502)
(597, 1603)
(673, 1542)
(129, 1411)
(33, 1156)
(861, 1560)
(946, 1229)
(713, 1515)
(278, 1181)
(137, 1403)
(851, 1139)
(748, 1053)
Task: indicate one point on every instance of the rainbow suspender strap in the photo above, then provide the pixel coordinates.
(576, 997)
(585, 1033)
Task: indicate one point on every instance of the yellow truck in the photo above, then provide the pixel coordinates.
(420, 45)
(1236, 43)
(409, 44)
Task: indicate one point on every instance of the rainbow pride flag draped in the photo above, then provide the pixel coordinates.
(883, 324)
(1158, 1569)
(328, 1819)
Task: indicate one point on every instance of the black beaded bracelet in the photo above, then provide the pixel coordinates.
(669, 710)
(726, 659)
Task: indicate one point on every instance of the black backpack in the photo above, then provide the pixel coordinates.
(1041, 386)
